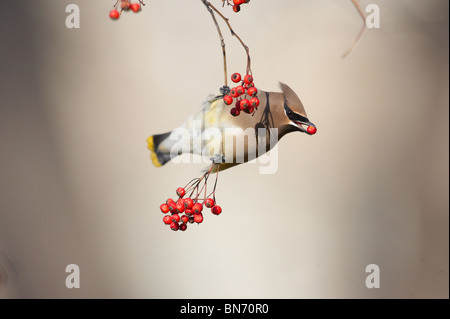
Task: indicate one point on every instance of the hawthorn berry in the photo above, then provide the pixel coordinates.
(164, 208)
(188, 212)
(238, 2)
(216, 210)
(240, 90)
(236, 8)
(236, 77)
(311, 130)
(114, 14)
(249, 85)
(188, 203)
(197, 208)
(172, 207)
(198, 218)
(175, 218)
(183, 227)
(125, 5)
(170, 201)
(254, 101)
(167, 219)
(249, 110)
(135, 7)
(252, 91)
(185, 219)
(174, 226)
(234, 92)
(179, 208)
(181, 192)
(227, 99)
(248, 79)
(209, 202)
(235, 111)
(245, 104)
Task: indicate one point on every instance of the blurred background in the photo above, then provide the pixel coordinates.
(77, 185)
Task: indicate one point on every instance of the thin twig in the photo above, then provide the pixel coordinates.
(362, 14)
(247, 50)
(222, 41)
(233, 33)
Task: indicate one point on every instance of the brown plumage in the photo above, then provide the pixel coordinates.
(277, 115)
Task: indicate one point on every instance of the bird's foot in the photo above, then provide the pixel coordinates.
(217, 159)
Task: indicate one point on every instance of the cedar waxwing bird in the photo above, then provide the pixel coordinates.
(213, 130)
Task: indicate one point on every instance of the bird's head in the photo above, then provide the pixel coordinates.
(290, 115)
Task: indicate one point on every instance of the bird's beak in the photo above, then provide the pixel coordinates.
(302, 123)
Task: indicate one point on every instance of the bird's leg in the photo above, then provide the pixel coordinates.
(217, 159)
(363, 17)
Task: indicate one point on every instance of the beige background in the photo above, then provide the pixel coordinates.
(77, 185)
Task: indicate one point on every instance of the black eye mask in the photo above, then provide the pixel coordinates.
(295, 116)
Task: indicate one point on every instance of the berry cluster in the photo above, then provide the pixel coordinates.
(235, 3)
(125, 5)
(188, 210)
(245, 95)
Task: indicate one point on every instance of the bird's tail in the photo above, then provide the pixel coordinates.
(158, 155)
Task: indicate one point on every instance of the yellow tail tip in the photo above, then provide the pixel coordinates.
(153, 156)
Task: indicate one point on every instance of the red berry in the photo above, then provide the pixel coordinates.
(181, 192)
(167, 219)
(172, 207)
(236, 8)
(114, 14)
(245, 104)
(185, 219)
(249, 85)
(249, 110)
(170, 201)
(216, 210)
(227, 99)
(197, 208)
(188, 212)
(125, 5)
(252, 91)
(234, 92)
(135, 7)
(254, 101)
(238, 2)
(180, 208)
(240, 90)
(164, 208)
(311, 130)
(248, 79)
(235, 111)
(175, 218)
(209, 202)
(174, 226)
(188, 203)
(236, 77)
(198, 218)
(183, 227)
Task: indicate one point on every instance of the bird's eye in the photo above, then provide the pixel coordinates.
(289, 113)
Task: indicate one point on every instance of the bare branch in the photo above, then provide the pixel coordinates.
(222, 41)
(362, 14)
(212, 10)
(247, 50)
